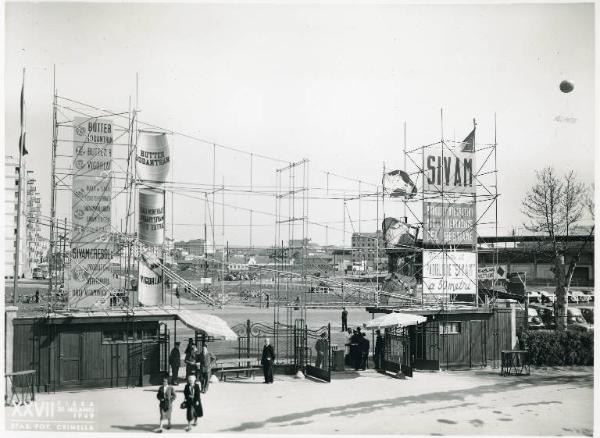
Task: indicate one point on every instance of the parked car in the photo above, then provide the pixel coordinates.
(572, 299)
(534, 322)
(547, 297)
(534, 297)
(576, 321)
(588, 313)
(580, 296)
(590, 294)
(38, 274)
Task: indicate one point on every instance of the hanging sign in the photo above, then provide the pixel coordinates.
(452, 272)
(449, 223)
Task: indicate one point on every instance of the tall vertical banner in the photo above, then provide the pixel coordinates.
(451, 272)
(152, 163)
(90, 275)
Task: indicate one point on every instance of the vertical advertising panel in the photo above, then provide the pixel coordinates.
(90, 276)
(449, 272)
(449, 223)
(150, 285)
(152, 217)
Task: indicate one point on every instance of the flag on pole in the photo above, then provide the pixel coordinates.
(468, 144)
(22, 148)
(398, 184)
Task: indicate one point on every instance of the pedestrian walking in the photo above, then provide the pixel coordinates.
(37, 296)
(379, 350)
(204, 364)
(322, 347)
(192, 403)
(190, 358)
(175, 363)
(166, 396)
(267, 300)
(364, 349)
(344, 319)
(268, 357)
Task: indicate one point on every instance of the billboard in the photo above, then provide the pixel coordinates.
(449, 170)
(90, 276)
(449, 223)
(152, 216)
(153, 157)
(449, 272)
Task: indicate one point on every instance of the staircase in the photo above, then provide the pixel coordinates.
(159, 268)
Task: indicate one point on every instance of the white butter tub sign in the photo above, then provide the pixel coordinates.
(153, 157)
(152, 216)
(150, 285)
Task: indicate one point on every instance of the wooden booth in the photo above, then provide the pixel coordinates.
(454, 338)
(99, 349)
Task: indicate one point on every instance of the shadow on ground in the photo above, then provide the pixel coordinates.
(501, 384)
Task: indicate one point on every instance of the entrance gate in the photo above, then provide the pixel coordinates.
(397, 353)
(296, 347)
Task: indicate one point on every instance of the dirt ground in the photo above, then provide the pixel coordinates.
(557, 401)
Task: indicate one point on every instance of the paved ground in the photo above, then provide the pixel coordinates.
(549, 402)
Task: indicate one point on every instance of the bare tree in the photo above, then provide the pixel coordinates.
(589, 200)
(553, 206)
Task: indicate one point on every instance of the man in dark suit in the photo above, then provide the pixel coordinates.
(379, 350)
(175, 363)
(344, 319)
(364, 349)
(268, 357)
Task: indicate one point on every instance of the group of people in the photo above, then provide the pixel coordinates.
(357, 352)
(198, 362)
(198, 366)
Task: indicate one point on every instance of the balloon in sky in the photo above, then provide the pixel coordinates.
(566, 87)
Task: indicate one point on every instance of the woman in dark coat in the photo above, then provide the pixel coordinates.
(193, 404)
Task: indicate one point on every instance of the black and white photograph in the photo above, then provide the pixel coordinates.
(299, 218)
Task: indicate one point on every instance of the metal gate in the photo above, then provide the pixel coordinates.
(164, 345)
(315, 350)
(251, 338)
(397, 353)
(425, 342)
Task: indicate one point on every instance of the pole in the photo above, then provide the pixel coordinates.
(19, 190)
(52, 189)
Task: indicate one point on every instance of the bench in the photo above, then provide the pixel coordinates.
(250, 371)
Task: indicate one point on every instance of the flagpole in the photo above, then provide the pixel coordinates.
(20, 188)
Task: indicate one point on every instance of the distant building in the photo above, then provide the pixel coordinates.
(364, 250)
(31, 247)
(194, 247)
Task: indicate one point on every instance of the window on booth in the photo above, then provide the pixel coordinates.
(450, 328)
(110, 336)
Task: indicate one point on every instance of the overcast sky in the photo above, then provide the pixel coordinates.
(331, 83)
